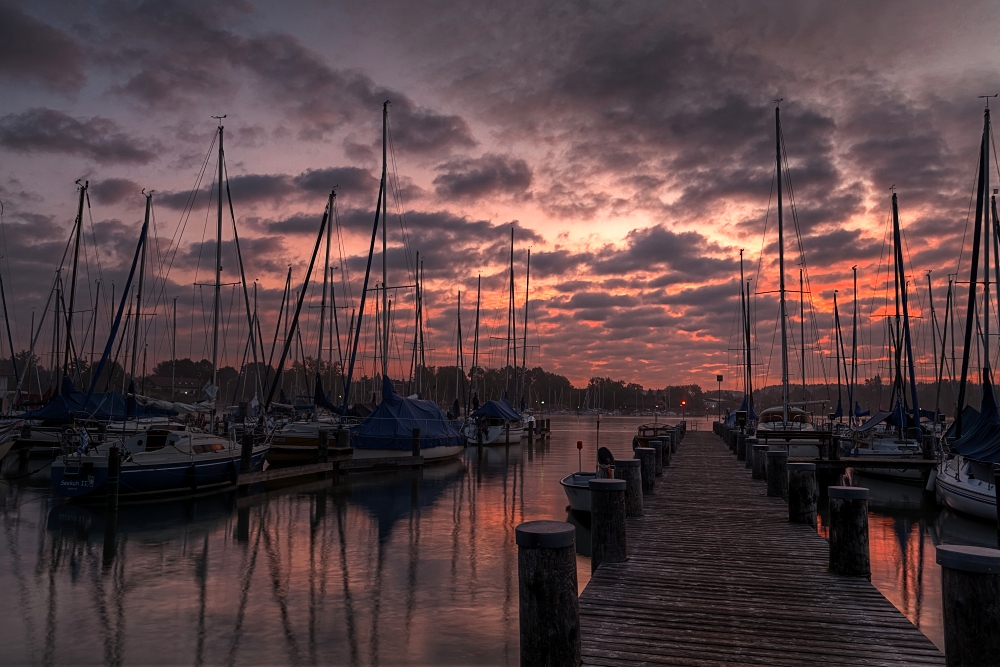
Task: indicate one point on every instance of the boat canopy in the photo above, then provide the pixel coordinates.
(980, 441)
(391, 424)
(751, 415)
(969, 418)
(72, 403)
(497, 409)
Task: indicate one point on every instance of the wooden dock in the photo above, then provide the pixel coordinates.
(881, 462)
(717, 575)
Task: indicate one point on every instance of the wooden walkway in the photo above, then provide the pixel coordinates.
(717, 575)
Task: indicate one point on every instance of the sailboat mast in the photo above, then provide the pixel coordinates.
(930, 299)
(802, 331)
(510, 304)
(906, 315)
(743, 328)
(72, 284)
(970, 316)
(524, 342)
(781, 269)
(458, 350)
(322, 302)
(173, 353)
(475, 347)
(385, 285)
(217, 310)
(854, 345)
(749, 373)
(836, 345)
(136, 326)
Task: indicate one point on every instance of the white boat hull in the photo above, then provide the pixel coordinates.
(577, 490)
(969, 496)
(496, 435)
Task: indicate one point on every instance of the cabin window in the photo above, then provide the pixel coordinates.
(208, 448)
(155, 440)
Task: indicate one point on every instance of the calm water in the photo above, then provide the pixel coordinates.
(409, 567)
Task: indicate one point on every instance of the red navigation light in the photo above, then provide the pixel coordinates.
(579, 444)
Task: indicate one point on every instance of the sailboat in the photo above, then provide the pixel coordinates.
(787, 420)
(896, 432)
(964, 479)
(164, 458)
(397, 421)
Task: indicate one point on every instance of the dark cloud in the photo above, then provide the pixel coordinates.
(43, 130)
(491, 174)
(31, 50)
(113, 190)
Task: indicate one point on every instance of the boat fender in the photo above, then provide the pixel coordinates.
(931, 479)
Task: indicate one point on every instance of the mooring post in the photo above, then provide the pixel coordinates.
(547, 594)
(970, 592)
(849, 531)
(647, 458)
(741, 447)
(607, 522)
(675, 437)
(114, 471)
(666, 453)
(758, 469)
(803, 493)
(531, 431)
(657, 446)
(416, 442)
(777, 473)
(322, 451)
(630, 470)
(748, 451)
(246, 457)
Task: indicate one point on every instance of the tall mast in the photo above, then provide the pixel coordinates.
(524, 342)
(458, 349)
(836, 345)
(906, 315)
(137, 323)
(322, 303)
(970, 316)
(511, 323)
(743, 327)
(385, 285)
(802, 331)
(217, 310)
(72, 284)
(930, 299)
(173, 353)
(746, 330)
(781, 269)
(475, 347)
(854, 346)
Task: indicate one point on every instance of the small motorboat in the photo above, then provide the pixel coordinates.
(577, 488)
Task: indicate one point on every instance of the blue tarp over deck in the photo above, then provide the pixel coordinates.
(497, 409)
(391, 424)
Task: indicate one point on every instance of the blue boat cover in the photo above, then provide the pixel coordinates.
(969, 418)
(858, 412)
(981, 440)
(877, 419)
(751, 415)
(72, 403)
(498, 409)
(391, 424)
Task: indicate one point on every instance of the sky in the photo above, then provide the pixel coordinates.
(630, 147)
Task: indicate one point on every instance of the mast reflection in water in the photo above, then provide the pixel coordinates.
(415, 567)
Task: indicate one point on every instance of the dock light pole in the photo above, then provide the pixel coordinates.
(718, 378)
(683, 406)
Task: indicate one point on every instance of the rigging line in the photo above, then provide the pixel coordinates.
(397, 199)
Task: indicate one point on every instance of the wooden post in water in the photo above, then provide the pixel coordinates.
(547, 594)
(246, 457)
(970, 591)
(114, 471)
(741, 447)
(803, 493)
(323, 449)
(675, 437)
(748, 451)
(607, 522)
(647, 458)
(777, 474)
(657, 446)
(531, 431)
(416, 442)
(630, 470)
(666, 453)
(849, 531)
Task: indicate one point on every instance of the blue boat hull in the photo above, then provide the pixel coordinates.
(134, 480)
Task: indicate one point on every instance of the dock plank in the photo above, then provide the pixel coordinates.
(717, 575)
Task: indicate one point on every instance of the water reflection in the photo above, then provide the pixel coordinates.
(411, 566)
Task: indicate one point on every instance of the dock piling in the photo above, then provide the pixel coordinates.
(114, 472)
(547, 594)
(970, 590)
(803, 493)
(630, 470)
(657, 446)
(416, 442)
(758, 467)
(849, 531)
(647, 458)
(749, 452)
(323, 449)
(607, 522)
(777, 473)
(741, 446)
